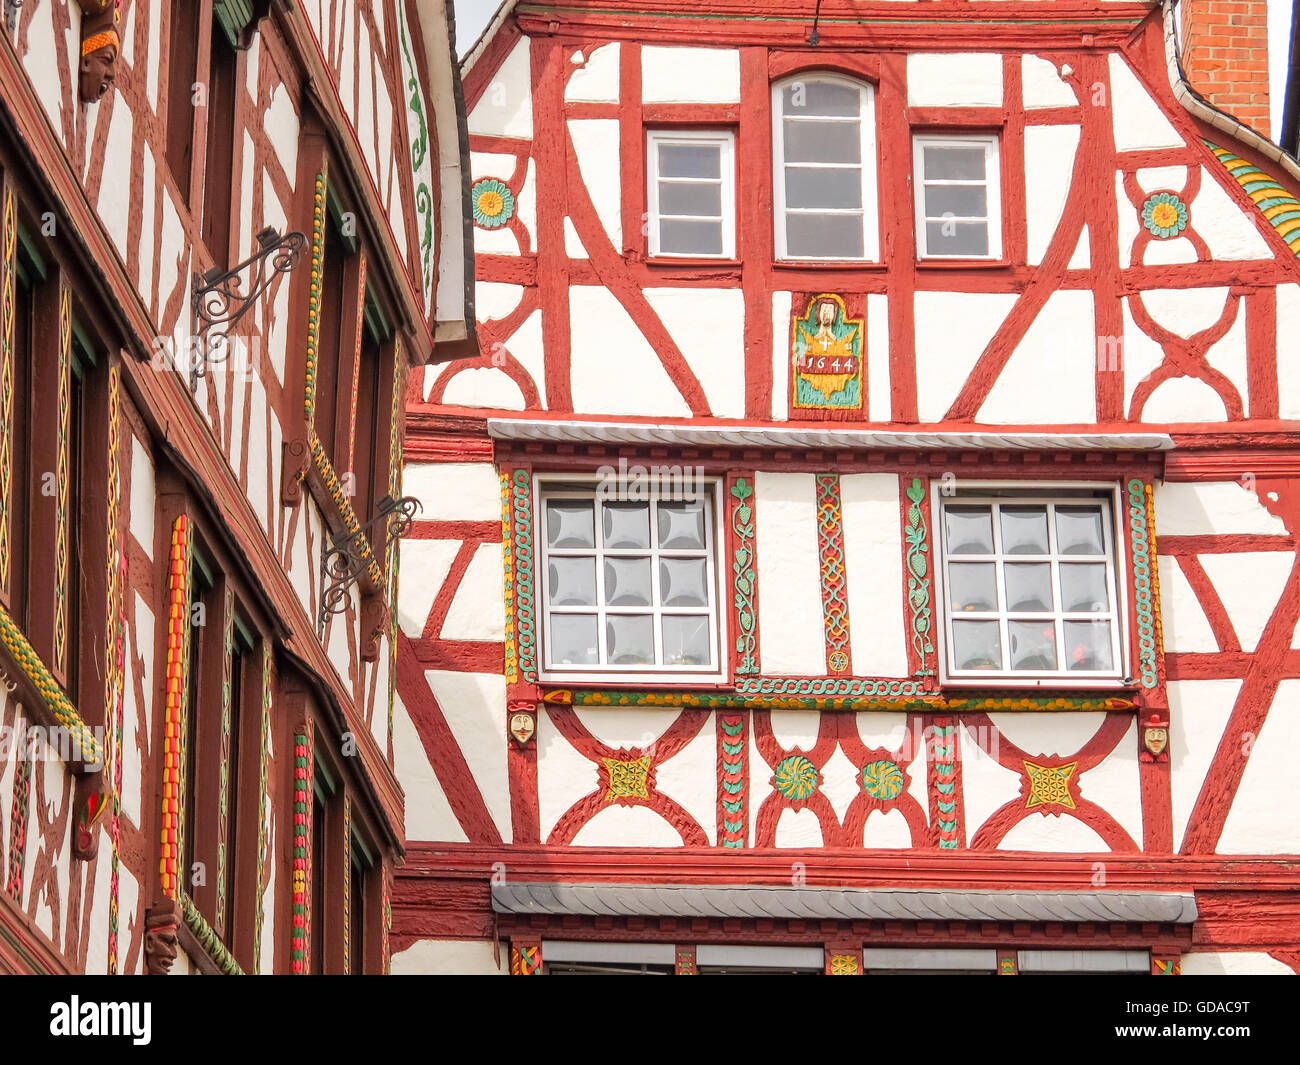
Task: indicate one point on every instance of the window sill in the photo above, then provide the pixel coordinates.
(966, 264)
(636, 682)
(724, 262)
(1009, 682)
(828, 264)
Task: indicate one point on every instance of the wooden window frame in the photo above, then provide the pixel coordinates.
(725, 141)
(991, 142)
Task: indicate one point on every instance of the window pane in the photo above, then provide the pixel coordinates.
(1024, 531)
(956, 238)
(822, 142)
(690, 160)
(686, 640)
(627, 581)
(972, 586)
(691, 198)
(573, 582)
(970, 530)
(1087, 645)
(1078, 531)
(822, 236)
(630, 640)
(805, 187)
(570, 524)
(683, 582)
(573, 639)
(954, 164)
(964, 201)
(1029, 587)
(1083, 587)
(1033, 644)
(690, 238)
(627, 525)
(821, 98)
(976, 645)
(681, 526)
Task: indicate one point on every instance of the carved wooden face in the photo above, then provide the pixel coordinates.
(1157, 739)
(98, 72)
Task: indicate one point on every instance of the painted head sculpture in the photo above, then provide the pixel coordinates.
(101, 42)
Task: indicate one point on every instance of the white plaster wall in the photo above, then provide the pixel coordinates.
(1139, 355)
(839, 782)
(1115, 784)
(482, 388)
(690, 75)
(613, 368)
(478, 610)
(270, 925)
(1139, 122)
(709, 328)
(112, 205)
(474, 706)
(138, 641)
(1042, 86)
(1049, 735)
(1055, 363)
(1183, 622)
(879, 396)
(798, 829)
(954, 79)
(791, 638)
(596, 143)
(564, 776)
(596, 80)
(455, 491)
(782, 305)
(1263, 818)
(691, 779)
(428, 814)
(1186, 311)
(141, 518)
(452, 957)
(1234, 963)
(41, 62)
(1288, 370)
(952, 331)
(1227, 229)
(1049, 165)
(888, 830)
(627, 826)
(1198, 712)
(1249, 585)
(1053, 834)
(1212, 508)
(986, 786)
(505, 109)
(873, 552)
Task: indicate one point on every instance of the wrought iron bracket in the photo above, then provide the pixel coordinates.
(222, 297)
(343, 562)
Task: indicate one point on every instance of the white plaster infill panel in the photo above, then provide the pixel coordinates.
(596, 79)
(790, 622)
(1262, 819)
(690, 75)
(450, 957)
(505, 108)
(873, 551)
(954, 79)
(1139, 122)
(1215, 508)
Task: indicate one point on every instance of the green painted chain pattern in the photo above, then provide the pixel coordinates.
(918, 578)
(526, 637)
(1142, 563)
(208, 939)
(744, 579)
(731, 780)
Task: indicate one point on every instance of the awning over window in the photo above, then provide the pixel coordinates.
(853, 904)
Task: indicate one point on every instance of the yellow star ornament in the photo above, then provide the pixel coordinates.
(1050, 785)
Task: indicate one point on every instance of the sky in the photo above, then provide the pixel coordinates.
(472, 16)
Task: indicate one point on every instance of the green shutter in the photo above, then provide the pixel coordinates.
(233, 16)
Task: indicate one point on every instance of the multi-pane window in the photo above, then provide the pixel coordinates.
(825, 159)
(692, 194)
(1030, 587)
(958, 197)
(629, 583)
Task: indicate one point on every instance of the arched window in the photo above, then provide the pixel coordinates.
(824, 152)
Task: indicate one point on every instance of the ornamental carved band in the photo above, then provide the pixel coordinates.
(508, 558)
(8, 296)
(263, 799)
(317, 287)
(525, 614)
(301, 856)
(744, 580)
(943, 779)
(834, 574)
(733, 741)
(918, 578)
(61, 523)
(1142, 574)
(178, 642)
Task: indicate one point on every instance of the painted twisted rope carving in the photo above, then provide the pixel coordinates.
(834, 574)
(732, 783)
(918, 577)
(525, 636)
(744, 579)
(1142, 567)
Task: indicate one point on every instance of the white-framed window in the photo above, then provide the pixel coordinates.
(692, 193)
(824, 157)
(1030, 586)
(629, 579)
(958, 196)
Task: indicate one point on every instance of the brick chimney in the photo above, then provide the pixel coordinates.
(1225, 56)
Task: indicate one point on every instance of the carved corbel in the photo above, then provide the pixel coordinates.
(374, 626)
(161, 924)
(295, 456)
(89, 801)
(101, 43)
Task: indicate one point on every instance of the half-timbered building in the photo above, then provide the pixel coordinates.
(228, 230)
(866, 541)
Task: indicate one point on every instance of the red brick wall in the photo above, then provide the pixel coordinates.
(1225, 56)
